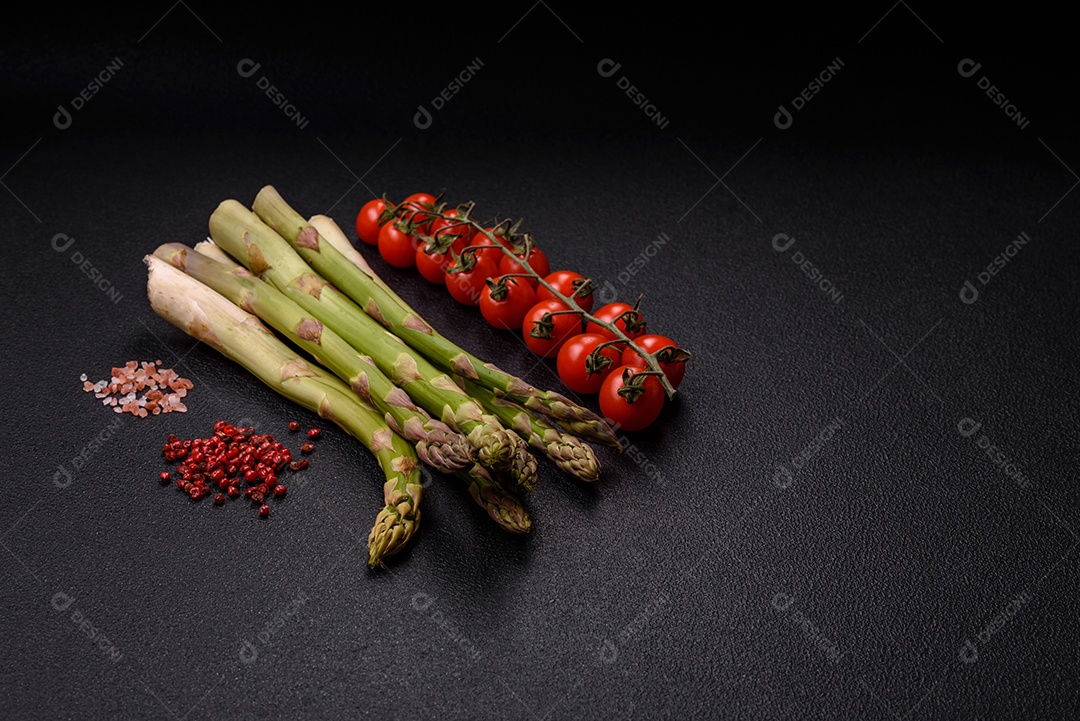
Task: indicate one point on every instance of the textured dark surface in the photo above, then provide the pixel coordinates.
(696, 579)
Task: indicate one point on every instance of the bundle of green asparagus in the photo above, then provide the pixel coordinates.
(391, 380)
(209, 317)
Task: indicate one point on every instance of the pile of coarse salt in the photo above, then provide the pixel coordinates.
(162, 390)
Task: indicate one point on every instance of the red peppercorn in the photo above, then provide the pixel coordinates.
(264, 511)
(251, 475)
(164, 476)
(294, 425)
(195, 493)
(234, 492)
(219, 499)
(180, 485)
(307, 447)
(314, 434)
(257, 497)
(280, 490)
(303, 463)
(294, 466)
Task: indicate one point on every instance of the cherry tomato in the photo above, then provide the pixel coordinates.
(397, 248)
(631, 413)
(566, 282)
(573, 365)
(433, 265)
(422, 198)
(559, 327)
(537, 261)
(466, 286)
(508, 311)
(674, 369)
(441, 227)
(632, 326)
(367, 221)
(493, 254)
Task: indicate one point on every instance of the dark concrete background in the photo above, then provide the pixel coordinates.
(814, 529)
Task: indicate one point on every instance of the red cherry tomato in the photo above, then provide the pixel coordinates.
(466, 286)
(566, 282)
(631, 413)
(632, 325)
(440, 227)
(573, 365)
(433, 265)
(560, 326)
(508, 311)
(537, 261)
(493, 253)
(397, 248)
(367, 221)
(422, 198)
(652, 343)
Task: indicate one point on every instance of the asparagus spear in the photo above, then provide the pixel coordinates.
(568, 452)
(204, 314)
(360, 284)
(240, 233)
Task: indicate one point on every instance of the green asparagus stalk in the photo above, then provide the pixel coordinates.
(241, 234)
(568, 452)
(436, 443)
(207, 316)
(360, 284)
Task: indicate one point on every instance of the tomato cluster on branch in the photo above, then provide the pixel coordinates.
(504, 273)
